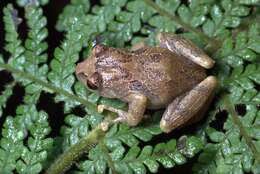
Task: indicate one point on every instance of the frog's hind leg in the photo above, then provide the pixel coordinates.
(189, 107)
(186, 48)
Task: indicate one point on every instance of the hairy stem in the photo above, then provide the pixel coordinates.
(210, 41)
(235, 118)
(65, 161)
(45, 84)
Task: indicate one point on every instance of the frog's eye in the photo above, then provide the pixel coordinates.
(92, 81)
(91, 85)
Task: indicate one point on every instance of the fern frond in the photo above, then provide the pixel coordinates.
(13, 43)
(63, 64)
(24, 3)
(35, 46)
(135, 159)
(227, 14)
(230, 153)
(217, 26)
(75, 9)
(78, 128)
(24, 144)
(5, 95)
(242, 85)
(243, 48)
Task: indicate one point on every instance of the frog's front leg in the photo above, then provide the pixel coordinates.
(189, 107)
(136, 108)
(186, 48)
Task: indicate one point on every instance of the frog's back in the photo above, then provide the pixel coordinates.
(163, 75)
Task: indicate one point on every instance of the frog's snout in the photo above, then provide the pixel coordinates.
(80, 68)
(81, 75)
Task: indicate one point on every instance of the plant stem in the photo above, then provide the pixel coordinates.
(235, 118)
(108, 157)
(45, 84)
(65, 161)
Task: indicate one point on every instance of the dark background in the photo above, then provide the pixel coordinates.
(46, 103)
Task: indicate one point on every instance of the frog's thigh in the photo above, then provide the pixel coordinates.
(186, 48)
(190, 106)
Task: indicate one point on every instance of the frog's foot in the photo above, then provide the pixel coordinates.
(101, 108)
(189, 107)
(122, 118)
(135, 113)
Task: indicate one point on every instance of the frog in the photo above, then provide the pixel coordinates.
(170, 75)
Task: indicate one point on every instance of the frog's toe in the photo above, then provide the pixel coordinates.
(165, 126)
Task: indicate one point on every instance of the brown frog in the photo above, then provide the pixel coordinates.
(171, 75)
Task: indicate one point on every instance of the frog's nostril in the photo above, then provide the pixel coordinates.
(81, 77)
(80, 68)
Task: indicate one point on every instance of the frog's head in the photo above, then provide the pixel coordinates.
(86, 70)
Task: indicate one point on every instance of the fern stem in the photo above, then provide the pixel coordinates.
(108, 157)
(65, 161)
(180, 22)
(45, 84)
(235, 118)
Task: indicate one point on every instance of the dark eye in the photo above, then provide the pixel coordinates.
(91, 85)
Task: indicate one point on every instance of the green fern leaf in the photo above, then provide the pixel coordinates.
(5, 95)
(24, 3)
(24, 144)
(76, 9)
(231, 154)
(63, 64)
(14, 44)
(227, 30)
(135, 160)
(225, 15)
(35, 46)
(235, 52)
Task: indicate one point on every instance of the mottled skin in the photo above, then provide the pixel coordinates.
(152, 77)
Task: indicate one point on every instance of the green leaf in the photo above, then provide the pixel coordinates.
(5, 96)
(24, 144)
(35, 46)
(135, 160)
(13, 43)
(236, 51)
(220, 19)
(227, 30)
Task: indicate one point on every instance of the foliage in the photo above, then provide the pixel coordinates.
(227, 30)
(24, 145)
